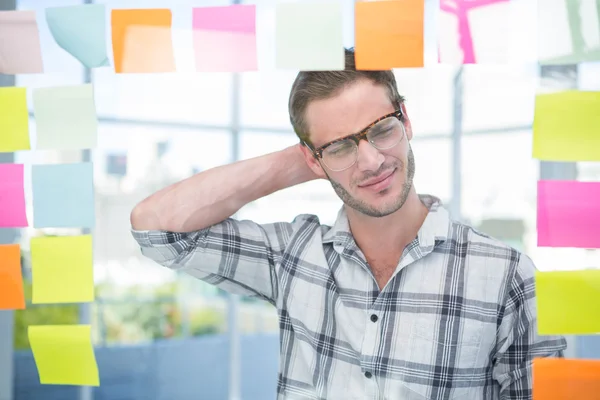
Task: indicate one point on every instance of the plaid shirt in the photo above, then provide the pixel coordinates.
(456, 321)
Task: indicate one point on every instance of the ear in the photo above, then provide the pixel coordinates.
(312, 162)
(407, 125)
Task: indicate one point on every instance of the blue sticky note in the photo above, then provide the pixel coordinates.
(63, 195)
(81, 31)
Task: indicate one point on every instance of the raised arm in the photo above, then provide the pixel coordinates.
(188, 226)
(212, 196)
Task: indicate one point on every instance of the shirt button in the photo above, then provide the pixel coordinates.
(374, 318)
(368, 374)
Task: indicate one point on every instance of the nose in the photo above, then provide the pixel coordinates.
(368, 157)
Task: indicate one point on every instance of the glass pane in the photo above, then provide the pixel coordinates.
(557, 78)
(182, 97)
(433, 167)
(185, 96)
(589, 76)
(499, 179)
(264, 99)
(60, 68)
(315, 197)
(131, 163)
(497, 97)
(432, 176)
(265, 93)
(588, 258)
(429, 95)
(588, 171)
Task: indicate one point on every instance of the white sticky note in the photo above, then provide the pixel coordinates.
(309, 36)
(65, 117)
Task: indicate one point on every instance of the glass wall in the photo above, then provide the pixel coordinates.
(158, 129)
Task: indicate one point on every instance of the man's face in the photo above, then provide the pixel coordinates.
(355, 108)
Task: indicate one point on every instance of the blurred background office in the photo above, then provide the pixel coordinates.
(161, 335)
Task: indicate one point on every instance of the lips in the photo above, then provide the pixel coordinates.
(377, 179)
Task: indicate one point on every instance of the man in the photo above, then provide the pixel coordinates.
(395, 300)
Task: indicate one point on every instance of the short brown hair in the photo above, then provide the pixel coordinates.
(319, 85)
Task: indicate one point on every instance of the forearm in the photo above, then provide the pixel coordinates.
(212, 196)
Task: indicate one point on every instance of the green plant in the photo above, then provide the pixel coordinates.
(206, 321)
(52, 314)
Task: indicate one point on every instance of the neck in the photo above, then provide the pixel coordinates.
(391, 231)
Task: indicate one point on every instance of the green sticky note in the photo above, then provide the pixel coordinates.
(64, 354)
(566, 126)
(65, 117)
(568, 32)
(313, 46)
(14, 120)
(62, 269)
(568, 302)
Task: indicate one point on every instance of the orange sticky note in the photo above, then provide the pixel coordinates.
(555, 378)
(142, 41)
(11, 281)
(389, 34)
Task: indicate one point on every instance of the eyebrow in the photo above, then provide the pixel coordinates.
(360, 131)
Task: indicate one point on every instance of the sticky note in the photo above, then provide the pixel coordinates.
(568, 31)
(80, 31)
(20, 49)
(62, 269)
(225, 38)
(12, 296)
(389, 34)
(568, 302)
(12, 196)
(566, 126)
(63, 196)
(313, 46)
(142, 41)
(473, 32)
(564, 378)
(568, 214)
(65, 117)
(14, 119)
(64, 354)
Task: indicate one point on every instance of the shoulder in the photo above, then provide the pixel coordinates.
(310, 225)
(483, 245)
(496, 259)
(301, 226)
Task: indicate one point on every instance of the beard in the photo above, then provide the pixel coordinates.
(378, 212)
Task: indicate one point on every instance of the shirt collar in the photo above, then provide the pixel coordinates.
(434, 230)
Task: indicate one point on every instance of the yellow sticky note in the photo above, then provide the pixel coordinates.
(566, 126)
(568, 302)
(64, 354)
(62, 269)
(14, 120)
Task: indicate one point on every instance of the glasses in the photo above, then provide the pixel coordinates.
(383, 134)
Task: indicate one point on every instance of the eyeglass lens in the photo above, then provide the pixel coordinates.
(384, 135)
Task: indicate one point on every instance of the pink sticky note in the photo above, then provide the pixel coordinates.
(12, 196)
(456, 42)
(225, 38)
(568, 214)
(20, 49)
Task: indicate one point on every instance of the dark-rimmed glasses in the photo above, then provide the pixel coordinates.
(383, 134)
